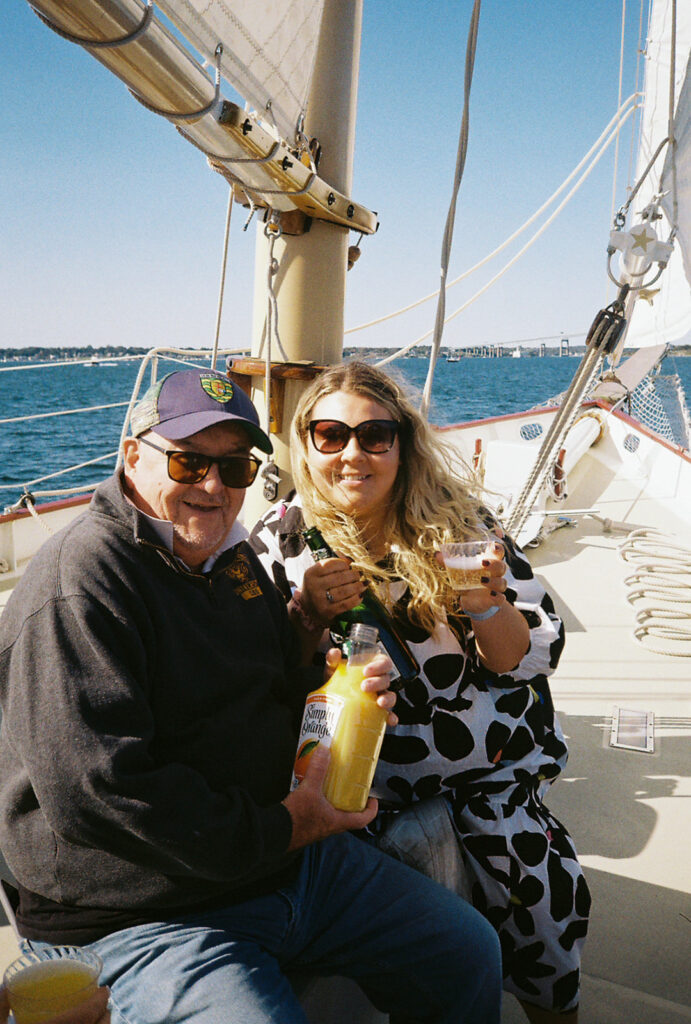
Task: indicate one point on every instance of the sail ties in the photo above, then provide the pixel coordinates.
(101, 44)
(192, 115)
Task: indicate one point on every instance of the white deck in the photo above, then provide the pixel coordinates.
(627, 811)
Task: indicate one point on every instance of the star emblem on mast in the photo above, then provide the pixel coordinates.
(643, 238)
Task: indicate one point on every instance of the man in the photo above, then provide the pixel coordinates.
(151, 688)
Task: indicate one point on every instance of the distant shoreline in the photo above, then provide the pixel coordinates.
(63, 353)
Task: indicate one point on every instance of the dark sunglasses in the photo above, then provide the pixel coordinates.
(191, 467)
(373, 436)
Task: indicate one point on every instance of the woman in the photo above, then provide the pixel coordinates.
(477, 732)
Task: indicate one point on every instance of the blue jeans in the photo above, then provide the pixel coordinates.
(419, 952)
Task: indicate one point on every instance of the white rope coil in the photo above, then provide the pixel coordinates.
(660, 590)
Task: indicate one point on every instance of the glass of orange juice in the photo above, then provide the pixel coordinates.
(48, 981)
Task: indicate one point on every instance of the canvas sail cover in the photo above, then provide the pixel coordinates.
(269, 48)
(668, 317)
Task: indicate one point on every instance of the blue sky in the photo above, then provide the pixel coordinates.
(112, 225)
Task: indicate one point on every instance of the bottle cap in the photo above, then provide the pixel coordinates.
(363, 634)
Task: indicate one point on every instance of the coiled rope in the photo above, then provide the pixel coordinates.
(660, 590)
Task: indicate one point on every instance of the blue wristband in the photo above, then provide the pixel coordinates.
(481, 616)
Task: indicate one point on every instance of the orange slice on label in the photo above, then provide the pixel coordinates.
(303, 756)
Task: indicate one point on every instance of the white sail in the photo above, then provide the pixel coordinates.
(668, 316)
(676, 176)
(269, 48)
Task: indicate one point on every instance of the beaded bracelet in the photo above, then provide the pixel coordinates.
(481, 616)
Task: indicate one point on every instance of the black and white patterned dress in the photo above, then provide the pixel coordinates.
(492, 745)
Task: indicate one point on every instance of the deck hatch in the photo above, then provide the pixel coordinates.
(632, 730)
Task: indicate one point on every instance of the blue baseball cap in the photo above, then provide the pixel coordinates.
(186, 401)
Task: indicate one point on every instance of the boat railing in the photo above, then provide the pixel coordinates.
(657, 401)
(30, 490)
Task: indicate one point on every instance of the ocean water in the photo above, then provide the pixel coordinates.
(464, 390)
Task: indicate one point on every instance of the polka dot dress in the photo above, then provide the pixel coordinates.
(492, 745)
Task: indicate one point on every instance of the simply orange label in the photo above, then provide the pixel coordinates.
(319, 722)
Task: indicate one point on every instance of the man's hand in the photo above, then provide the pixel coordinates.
(313, 816)
(93, 1011)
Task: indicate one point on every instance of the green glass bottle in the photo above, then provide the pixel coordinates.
(371, 612)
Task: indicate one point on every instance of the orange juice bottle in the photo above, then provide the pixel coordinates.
(339, 714)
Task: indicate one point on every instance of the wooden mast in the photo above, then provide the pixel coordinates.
(310, 282)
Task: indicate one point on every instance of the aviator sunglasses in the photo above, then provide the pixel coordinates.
(373, 436)
(191, 467)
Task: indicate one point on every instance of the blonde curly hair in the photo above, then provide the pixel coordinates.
(433, 500)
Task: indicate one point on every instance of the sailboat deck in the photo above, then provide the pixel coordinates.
(626, 809)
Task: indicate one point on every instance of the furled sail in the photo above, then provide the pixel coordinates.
(269, 49)
(134, 43)
(665, 315)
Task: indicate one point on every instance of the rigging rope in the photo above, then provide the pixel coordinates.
(451, 215)
(553, 440)
(61, 412)
(272, 231)
(517, 256)
(514, 259)
(224, 262)
(619, 119)
(632, 141)
(59, 472)
(619, 91)
(65, 362)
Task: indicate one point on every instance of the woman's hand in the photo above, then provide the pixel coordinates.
(492, 589)
(491, 592)
(329, 588)
(502, 639)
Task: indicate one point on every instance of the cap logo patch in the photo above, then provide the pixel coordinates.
(217, 388)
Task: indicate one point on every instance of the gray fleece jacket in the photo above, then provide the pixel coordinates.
(148, 721)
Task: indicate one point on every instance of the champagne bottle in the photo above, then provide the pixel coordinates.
(371, 612)
(349, 721)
